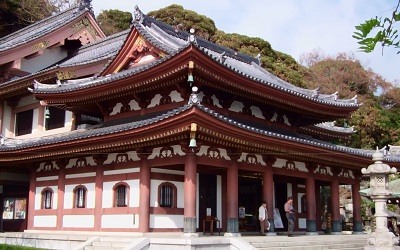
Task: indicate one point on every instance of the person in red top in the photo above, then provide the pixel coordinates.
(289, 210)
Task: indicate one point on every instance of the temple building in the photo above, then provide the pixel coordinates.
(156, 130)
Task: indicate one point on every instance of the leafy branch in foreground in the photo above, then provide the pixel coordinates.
(378, 30)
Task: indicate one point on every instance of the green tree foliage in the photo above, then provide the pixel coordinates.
(17, 14)
(114, 21)
(379, 30)
(182, 19)
(276, 62)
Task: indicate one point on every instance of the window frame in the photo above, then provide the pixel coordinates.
(21, 120)
(116, 195)
(78, 199)
(162, 200)
(47, 193)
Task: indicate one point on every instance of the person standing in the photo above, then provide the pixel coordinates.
(263, 217)
(290, 215)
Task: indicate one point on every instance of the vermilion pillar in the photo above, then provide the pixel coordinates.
(311, 205)
(357, 219)
(144, 200)
(232, 198)
(60, 197)
(268, 196)
(98, 207)
(336, 220)
(190, 193)
(31, 199)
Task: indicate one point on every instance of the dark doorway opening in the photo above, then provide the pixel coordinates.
(207, 197)
(250, 197)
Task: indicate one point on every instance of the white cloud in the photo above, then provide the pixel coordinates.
(291, 26)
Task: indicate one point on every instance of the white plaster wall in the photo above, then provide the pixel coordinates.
(237, 107)
(219, 200)
(6, 130)
(45, 221)
(80, 221)
(35, 121)
(120, 221)
(69, 195)
(133, 193)
(257, 112)
(38, 197)
(302, 223)
(175, 96)
(166, 221)
(27, 100)
(154, 195)
(49, 57)
(155, 101)
(68, 119)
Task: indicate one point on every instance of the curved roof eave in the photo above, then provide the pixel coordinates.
(13, 145)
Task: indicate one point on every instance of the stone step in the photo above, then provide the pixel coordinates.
(305, 243)
(110, 244)
(103, 248)
(314, 247)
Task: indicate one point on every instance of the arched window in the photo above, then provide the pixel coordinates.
(167, 195)
(80, 197)
(47, 198)
(121, 195)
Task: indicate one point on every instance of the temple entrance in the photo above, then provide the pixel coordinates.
(207, 197)
(250, 198)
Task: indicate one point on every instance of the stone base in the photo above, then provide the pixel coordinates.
(382, 241)
(336, 227)
(232, 235)
(357, 227)
(271, 234)
(271, 225)
(189, 224)
(311, 233)
(188, 235)
(311, 226)
(233, 225)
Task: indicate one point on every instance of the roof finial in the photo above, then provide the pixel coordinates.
(259, 59)
(194, 98)
(137, 14)
(192, 37)
(85, 4)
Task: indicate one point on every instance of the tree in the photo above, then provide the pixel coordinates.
(114, 21)
(17, 14)
(379, 31)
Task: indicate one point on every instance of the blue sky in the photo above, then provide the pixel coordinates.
(291, 26)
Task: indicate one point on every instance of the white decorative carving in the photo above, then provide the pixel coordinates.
(275, 117)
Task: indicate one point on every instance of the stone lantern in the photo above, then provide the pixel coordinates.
(379, 172)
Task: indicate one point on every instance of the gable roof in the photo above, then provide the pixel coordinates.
(172, 41)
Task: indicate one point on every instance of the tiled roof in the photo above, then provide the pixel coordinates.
(167, 38)
(99, 50)
(15, 144)
(40, 28)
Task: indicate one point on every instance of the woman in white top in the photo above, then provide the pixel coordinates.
(263, 217)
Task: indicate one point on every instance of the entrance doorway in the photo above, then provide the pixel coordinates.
(207, 196)
(250, 198)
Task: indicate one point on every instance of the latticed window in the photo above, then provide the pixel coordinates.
(47, 199)
(121, 196)
(80, 197)
(166, 195)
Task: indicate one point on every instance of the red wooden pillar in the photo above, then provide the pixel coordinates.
(99, 159)
(268, 190)
(31, 200)
(60, 197)
(311, 224)
(232, 198)
(144, 197)
(336, 220)
(190, 193)
(357, 219)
